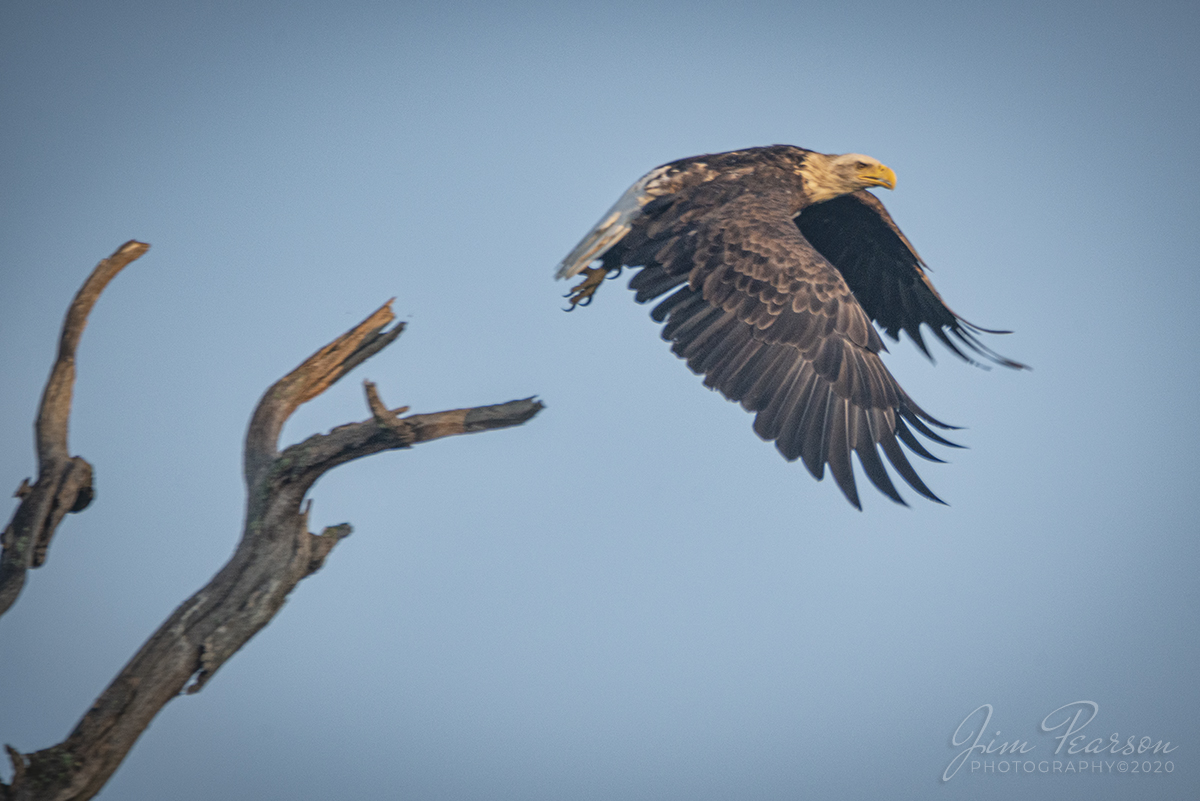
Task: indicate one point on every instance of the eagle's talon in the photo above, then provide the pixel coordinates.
(581, 295)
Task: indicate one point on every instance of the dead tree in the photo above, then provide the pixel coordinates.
(276, 550)
(64, 482)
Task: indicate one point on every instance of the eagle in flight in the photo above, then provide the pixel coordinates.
(774, 262)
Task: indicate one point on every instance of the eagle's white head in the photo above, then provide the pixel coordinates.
(827, 177)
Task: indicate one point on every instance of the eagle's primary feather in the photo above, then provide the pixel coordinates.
(774, 262)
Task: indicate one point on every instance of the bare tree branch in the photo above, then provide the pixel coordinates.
(276, 551)
(64, 483)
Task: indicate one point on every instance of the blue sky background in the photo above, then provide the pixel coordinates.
(630, 596)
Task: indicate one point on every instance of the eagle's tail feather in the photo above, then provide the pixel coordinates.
(612, 228)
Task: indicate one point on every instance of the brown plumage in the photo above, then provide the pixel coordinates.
(777, 261)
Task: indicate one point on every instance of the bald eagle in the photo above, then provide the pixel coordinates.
(777, 260)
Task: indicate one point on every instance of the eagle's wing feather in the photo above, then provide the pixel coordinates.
(858, 236)
(773, 325)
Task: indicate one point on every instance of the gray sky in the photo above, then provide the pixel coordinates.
(631, 596)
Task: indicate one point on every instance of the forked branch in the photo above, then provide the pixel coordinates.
(276, 551)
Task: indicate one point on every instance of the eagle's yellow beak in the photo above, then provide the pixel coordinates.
(878, 175)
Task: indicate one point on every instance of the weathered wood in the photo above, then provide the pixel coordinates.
(64, 482)
(276, 551)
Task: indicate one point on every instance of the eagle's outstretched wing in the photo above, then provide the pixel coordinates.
(773, 325)
(857, 235)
